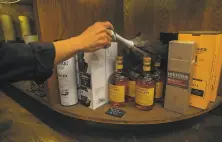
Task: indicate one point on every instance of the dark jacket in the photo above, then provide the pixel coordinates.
(20, 61)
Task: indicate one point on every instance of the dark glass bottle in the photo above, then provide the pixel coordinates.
(158, 75)
(133, 76)
(118, 85)
(145, 87)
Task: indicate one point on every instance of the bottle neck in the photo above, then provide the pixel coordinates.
(119, 70)
(146, 68)
(157, 64)
(119, 67)
(156, 67)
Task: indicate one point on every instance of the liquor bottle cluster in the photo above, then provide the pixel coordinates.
(143, 88)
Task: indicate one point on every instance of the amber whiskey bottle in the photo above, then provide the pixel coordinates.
(159, 77)
(118, 85)
(133, 76)
(145, 87)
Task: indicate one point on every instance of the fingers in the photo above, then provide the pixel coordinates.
(108, 25)
(109, 38)
(109, 32)
(104, 43)
(104, 27)
(105, 36)
(99, 36)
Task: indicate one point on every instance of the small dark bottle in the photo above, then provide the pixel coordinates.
(118, 85)
(159, 77)
(145, 87)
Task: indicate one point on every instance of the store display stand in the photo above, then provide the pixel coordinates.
(132, 116)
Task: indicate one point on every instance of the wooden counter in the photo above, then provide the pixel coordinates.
(132, 116)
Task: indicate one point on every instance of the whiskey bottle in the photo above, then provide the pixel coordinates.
(158, 75)
(145, 87)
(133, 76)
(118, 85)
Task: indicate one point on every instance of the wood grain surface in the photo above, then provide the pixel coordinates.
(132, 116)
(138, 17)
(171, 16)
(62, 19)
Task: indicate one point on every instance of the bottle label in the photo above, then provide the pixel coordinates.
(144, 96)
(117, 93)
(159, 90)
(132, 88)
(178, 79)
(198, 88)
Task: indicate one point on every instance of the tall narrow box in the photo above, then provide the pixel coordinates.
(181, 58)
(207, 67)
(93, 71)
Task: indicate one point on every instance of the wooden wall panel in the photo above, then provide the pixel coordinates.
(138, 17)
(177, 15)
(16, 10)
(61, 19)
(171, 15)
(155, 16)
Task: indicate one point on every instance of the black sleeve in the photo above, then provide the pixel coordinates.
(19, 61)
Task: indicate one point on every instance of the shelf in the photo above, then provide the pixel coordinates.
(133, 116)
(41, 100)
(23, 86)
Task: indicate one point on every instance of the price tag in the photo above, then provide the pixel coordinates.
(116, 112)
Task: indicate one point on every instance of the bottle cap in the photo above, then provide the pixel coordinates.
(146, 68)
(146, 59)
(157, 64)
(146, 64)
(119, 58)
(119, 62)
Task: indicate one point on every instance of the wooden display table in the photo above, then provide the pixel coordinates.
(132, 116)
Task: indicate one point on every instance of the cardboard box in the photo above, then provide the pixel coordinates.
(216, 73)
(207, 66)
(181, 59)
(93, 71)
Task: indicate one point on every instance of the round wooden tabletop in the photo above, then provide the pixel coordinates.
(132, 116)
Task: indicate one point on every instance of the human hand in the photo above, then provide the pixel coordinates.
(96, 36)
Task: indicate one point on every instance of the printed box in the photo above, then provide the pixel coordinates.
(207, 67)
(93, 71)
(180, 72)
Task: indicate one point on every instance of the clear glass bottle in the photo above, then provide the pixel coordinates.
(133, 76)
(145, 87)
(159, 77)
(118, 85)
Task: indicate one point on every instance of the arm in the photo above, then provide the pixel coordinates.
(93, 38)
(35, 61)
(19, 61)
